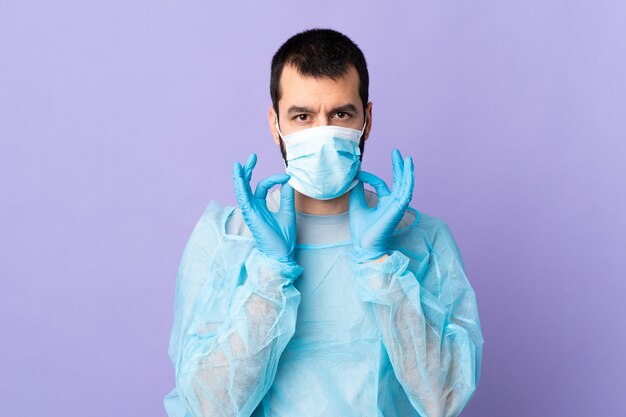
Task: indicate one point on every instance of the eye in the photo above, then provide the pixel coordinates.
(302, 117)
(342, 115)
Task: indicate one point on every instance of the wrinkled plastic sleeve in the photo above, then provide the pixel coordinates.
(235, 311)
(428, 319)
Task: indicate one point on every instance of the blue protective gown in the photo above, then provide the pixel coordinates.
(396, 338)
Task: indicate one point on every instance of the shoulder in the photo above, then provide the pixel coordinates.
(216, 222)
(229, 220)
(213, 216)
(422, 235)
(412, 217)
(208, 228)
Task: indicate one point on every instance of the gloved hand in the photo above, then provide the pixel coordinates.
(275, 233)
(371, 228)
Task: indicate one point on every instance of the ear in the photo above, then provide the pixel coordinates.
(271, 119)
(368, 123)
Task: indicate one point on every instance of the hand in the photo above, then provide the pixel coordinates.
(371, 228)
(275, 233)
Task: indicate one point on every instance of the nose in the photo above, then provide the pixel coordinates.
(321, 121)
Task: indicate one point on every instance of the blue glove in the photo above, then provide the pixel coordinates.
(275, 233)
(371, 228)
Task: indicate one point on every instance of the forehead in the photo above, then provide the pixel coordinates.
(301, 89)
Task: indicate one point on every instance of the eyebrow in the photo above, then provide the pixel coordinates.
(299, 109)
(344, 108)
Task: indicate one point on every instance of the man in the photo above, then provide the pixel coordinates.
(319, 298)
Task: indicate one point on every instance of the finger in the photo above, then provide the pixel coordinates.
(239, 172)
(263, 186)
(357, 197)
(287, 203)
(398, 167)
(250, 164)
(379, 185)
(408, 180)
(403, 184)
(242, 193)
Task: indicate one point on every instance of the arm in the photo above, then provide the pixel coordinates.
(430, 326)
(230, 352)
(227, 367)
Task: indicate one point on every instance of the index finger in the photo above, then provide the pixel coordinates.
(379, 185)
(263, 186)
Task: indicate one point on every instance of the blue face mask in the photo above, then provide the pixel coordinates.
(323, 161)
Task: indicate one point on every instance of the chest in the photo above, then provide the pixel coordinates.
(330, 310)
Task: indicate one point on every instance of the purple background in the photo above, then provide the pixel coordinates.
(120, 120)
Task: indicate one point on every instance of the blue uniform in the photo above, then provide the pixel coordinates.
(396, 338)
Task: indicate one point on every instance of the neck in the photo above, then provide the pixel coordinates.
(310, 205)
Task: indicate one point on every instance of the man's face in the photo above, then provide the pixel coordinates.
(311, 102)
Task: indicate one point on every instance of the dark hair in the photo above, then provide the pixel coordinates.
(319, 53)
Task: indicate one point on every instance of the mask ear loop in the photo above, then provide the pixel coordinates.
(278, 129)
(281, 136)
(364, 124)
